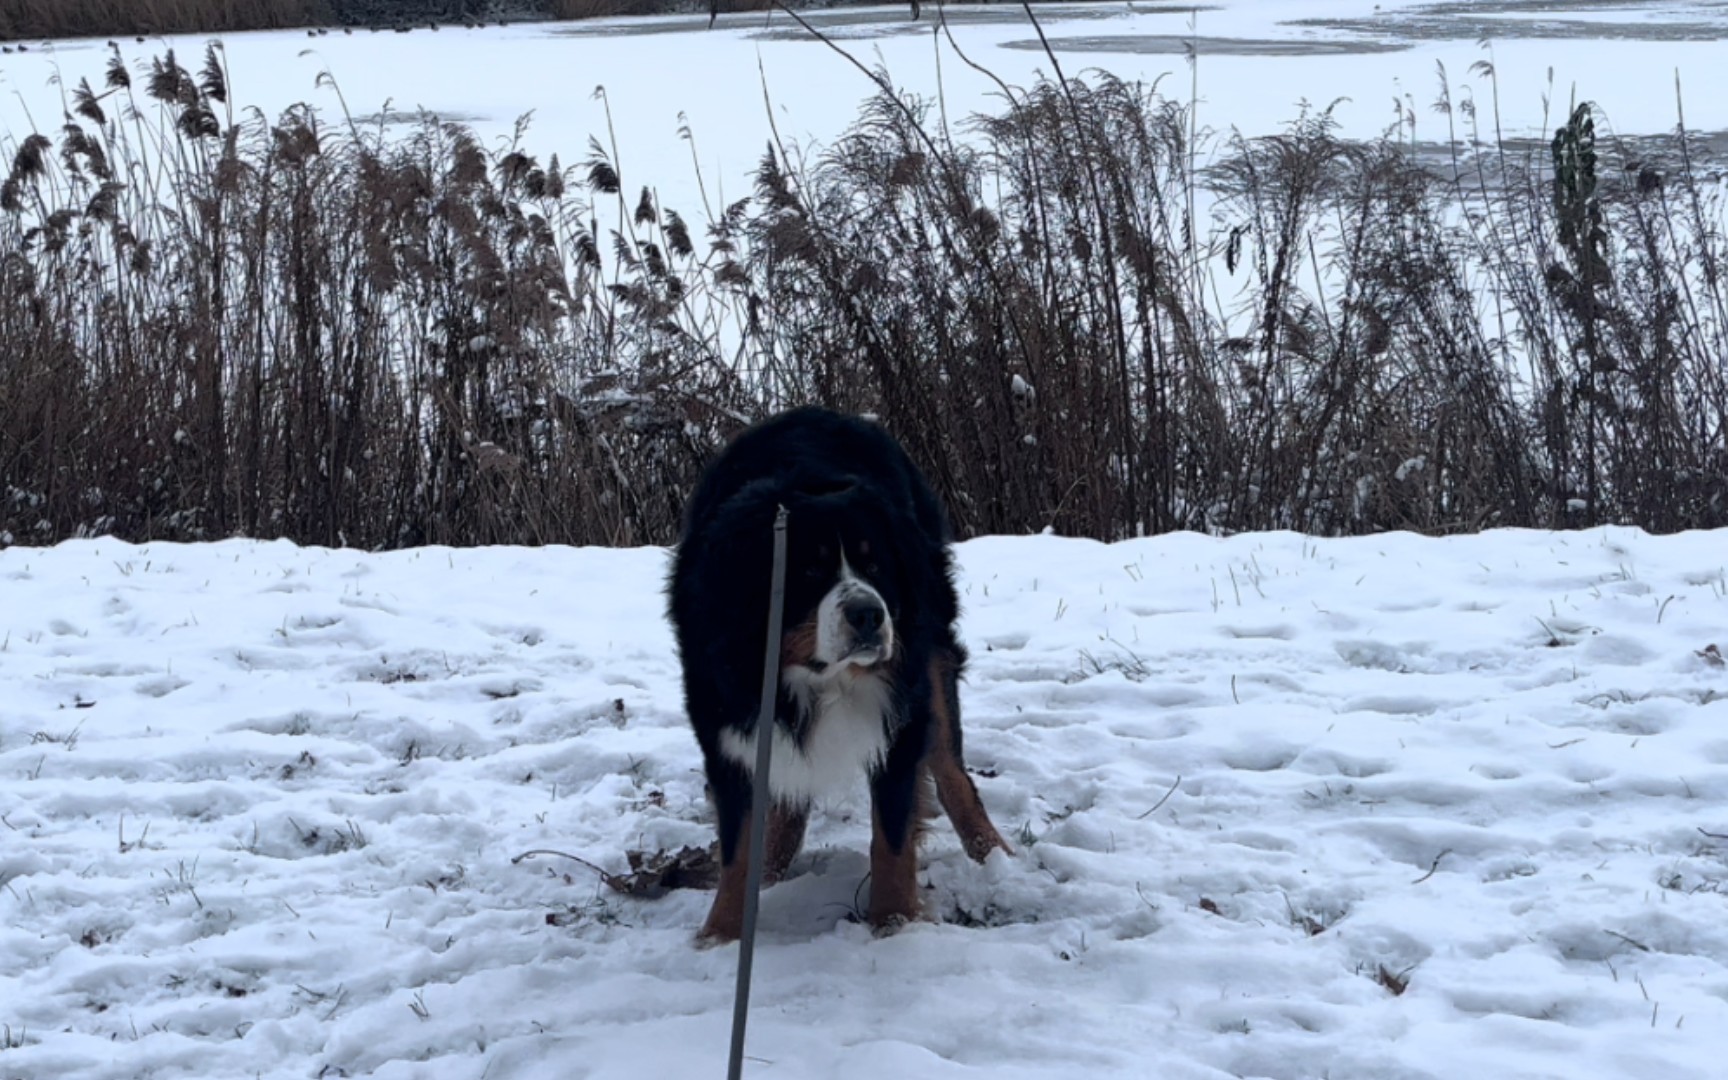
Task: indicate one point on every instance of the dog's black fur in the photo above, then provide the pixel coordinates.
(851, 493)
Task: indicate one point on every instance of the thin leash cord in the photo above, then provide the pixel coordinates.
(759, 799)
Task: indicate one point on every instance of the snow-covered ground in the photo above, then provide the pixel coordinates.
(259, 807)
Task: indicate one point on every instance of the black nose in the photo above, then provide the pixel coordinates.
(865, 618)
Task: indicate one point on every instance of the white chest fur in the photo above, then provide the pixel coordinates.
(848, 736)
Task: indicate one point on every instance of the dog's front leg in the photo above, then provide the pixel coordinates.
(896, 792)
(729, 787)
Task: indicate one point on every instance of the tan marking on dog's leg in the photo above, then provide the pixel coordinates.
(785, 839)
(726, 917)
(894, 898)
(959, 796)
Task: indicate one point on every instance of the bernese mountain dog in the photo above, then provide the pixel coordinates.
(868, 661)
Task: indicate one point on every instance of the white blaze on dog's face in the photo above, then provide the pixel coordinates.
(852, 623)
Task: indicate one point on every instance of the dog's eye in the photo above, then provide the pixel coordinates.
(873, 569)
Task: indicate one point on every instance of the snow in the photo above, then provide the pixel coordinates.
(261, 805)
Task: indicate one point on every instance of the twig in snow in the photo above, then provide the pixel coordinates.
(1162, 801)
(1433, 866)
(1636, 944)
(1395, 981)
(607, 876)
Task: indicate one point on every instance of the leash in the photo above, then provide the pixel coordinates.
(759, 799)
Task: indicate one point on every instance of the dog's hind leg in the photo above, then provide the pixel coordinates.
(958, 795)
(785, 838)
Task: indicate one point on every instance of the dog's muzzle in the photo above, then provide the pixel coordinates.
(853, 626)
(867, 620)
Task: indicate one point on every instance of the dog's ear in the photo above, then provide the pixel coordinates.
(827, 493)
(743, 526)
(731, 555)
(839, 485)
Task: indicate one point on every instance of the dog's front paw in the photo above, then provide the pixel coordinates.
(724, 925)
(889, 925)
(711, 939)
(980, 844)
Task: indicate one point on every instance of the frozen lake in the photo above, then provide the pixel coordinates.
(1257, 61)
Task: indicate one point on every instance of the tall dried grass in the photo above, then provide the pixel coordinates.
(1083, 314)
(1356, 337)
(37, 19)
(596, 9)
(211, 323)
(32, 20)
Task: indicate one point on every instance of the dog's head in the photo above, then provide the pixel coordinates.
(844, 581)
